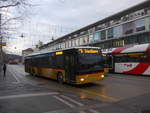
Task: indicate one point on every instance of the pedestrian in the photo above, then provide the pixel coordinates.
(4, 70)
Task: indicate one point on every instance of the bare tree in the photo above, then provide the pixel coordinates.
(18, 9)
(10, 11)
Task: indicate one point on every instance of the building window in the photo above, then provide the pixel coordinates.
(63, 45)
(69, 45)
(81, 40)
(131, 40)
(77, 42)
(147, 23)
(139, 24)
(108, 44)
(86, 40)
(128, 28)
(91, 39)
(118, 43)
(117, 31)
(144, 38)
(96, 36)
(101, 46)
(60, 46)
(110, 33)
(73, 43)
(103, 35)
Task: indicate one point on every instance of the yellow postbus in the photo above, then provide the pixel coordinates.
(78, 65)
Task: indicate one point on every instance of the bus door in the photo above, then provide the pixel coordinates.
(69, 68)
(110, 62)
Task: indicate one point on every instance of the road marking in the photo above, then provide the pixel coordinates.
(95, 93)
(14, 75)
(100, 95)
(65, 102)
(74, 101)
(60, 111)
(82, 112)
(93, 111)
(70, 111)
(27, 95)
(21, 72)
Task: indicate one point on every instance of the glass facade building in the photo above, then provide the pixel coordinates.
(129, 27)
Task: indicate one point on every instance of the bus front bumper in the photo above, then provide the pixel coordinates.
(87, 78)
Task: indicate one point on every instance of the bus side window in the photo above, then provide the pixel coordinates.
(50, 61)
(69, 59)
(117, 59)
(72, 60)
(53, 63)
(58, 62)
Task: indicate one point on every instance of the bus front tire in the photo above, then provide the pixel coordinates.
(60, 78)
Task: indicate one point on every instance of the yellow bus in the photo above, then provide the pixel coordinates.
(78, 65)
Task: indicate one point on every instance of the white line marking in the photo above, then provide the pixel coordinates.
(65, 102)
(27, 95)
(82, 112)
(93, 111)
(74, 101)
(60, 111)
(14, 75)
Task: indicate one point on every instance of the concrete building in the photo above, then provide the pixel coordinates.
(26, 53)
(128, 27)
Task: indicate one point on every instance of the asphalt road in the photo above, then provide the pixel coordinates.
(23, 93)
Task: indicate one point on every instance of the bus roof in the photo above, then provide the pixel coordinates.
(128, 49)
(48, 51)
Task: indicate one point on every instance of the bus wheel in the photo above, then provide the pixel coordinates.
(60, 78)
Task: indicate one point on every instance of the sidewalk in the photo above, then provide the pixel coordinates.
(10, 86)
(7, 85)
(9, 78)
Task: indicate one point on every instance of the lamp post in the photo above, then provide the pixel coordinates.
(1, 57)
(1, 40)
(1, 34)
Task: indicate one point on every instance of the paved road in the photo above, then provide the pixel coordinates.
(23, 93)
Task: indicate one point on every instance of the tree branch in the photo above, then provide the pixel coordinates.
(10, 19)
(11, 5)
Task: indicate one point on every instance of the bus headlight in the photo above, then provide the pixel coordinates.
(82, 79)
(102, 76)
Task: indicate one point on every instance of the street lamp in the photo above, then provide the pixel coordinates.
(22, 35)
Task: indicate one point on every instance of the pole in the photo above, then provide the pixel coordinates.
(1, 33)
(1, 39)
(1, 57)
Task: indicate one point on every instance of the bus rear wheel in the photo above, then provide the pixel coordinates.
(60, 78)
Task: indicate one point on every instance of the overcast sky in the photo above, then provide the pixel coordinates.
(72, 14)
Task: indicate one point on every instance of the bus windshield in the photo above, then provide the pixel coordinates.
(90, 59)
(90, 63)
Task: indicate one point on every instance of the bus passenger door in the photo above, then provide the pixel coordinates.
(69, 68)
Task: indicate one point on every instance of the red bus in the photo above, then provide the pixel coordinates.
(134, 59)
